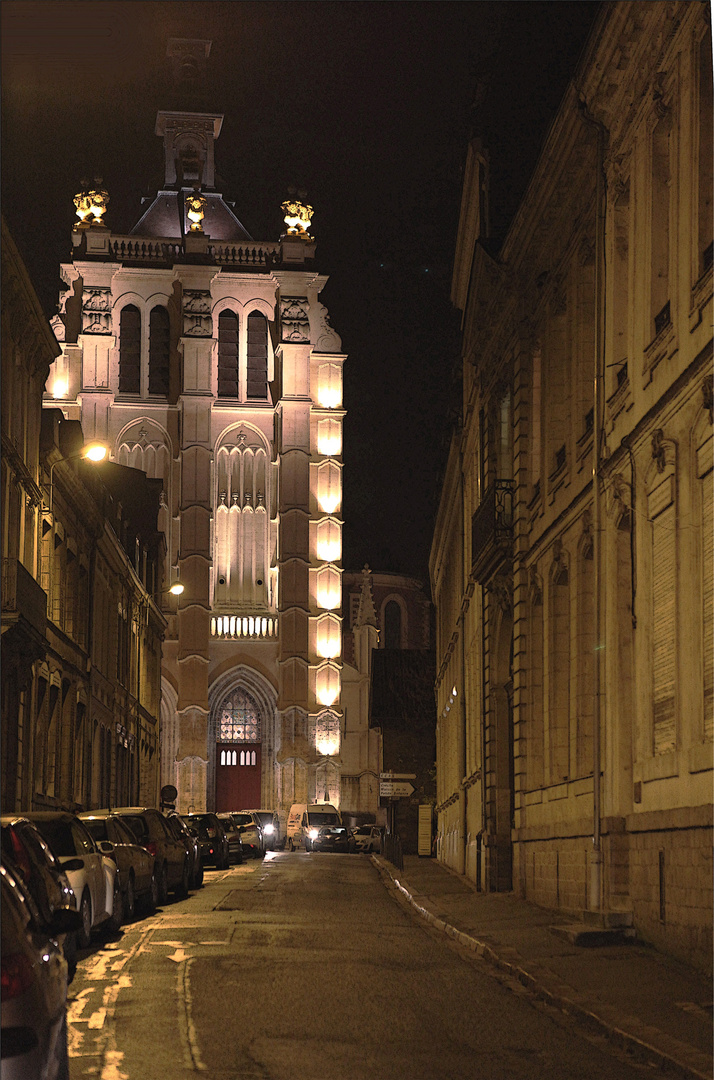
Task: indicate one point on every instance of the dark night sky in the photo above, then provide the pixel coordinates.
(368, 107)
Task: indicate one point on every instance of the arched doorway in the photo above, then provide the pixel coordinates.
(238, 733)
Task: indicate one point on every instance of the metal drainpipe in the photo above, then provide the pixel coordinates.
(595, 883)
(461, 746)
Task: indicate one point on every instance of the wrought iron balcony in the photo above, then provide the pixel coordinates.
(492, 530)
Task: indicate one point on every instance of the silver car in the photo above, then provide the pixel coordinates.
(34, 986)
(251, 832)
(368, 838)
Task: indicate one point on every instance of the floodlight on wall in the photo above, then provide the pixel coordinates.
(327, 684)
(60, 388)
(329, 437)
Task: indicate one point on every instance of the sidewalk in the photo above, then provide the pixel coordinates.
(655, 1007)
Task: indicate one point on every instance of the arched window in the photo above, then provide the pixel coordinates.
(159, 351)
(130, 350)
(238, 720)
(242, 757)
(228, 355)
(257, 372)
(392, 625)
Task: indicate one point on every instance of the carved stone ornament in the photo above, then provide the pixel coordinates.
(659, 454)
(298, 217)
(559, 569)
(661, 107)
(327, 340)
(294, 320)
(195, 211)
(535, 588)
(587, 545)
(58, 327)
(96, 311)
(619, 500)
(196, 302)
(708, 396)
(501, 588)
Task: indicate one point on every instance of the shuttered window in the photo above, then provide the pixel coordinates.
(708, 600)
(663, 629)
(257, 371)
(228, 355)
(159, 351)
(130, 350)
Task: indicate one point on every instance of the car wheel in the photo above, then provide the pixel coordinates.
(152, 899)
(69, 948)
(239, 858)
(130, 900)
(117, 916)
(182, 887)
(84, 933)
(163, 880)
(198, 876)
(63, 1055)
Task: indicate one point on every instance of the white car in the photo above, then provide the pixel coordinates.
(368, 838)
(92, 875)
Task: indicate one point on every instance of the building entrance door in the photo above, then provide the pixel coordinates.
(237, 776)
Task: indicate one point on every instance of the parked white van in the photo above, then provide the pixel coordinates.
(305, 819)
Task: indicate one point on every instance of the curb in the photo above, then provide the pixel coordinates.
(645, 1043)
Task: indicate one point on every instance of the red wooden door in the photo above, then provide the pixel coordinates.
(237, 776)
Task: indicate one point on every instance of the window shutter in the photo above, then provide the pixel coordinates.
(228, 355)
(130, 350)
(663, 629)
(159, 351)
(708, 600)
(257, 372)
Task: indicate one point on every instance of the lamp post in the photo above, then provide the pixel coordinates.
(94, 452)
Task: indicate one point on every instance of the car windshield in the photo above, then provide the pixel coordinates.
(228, 824)
(266, 819)
(322, 819)
(58, 835)
(364, 830)
(97, 827)
(205, 820)
(243, 819)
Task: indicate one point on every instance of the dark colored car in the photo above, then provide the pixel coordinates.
(149, 826)
(212, 837)
(333, 838)
(192, 845)
(32, 861)
(270, 824)
(137, 875)
(233, 835)
(34, 985)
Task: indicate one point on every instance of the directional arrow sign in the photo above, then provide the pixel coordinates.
(397, 790)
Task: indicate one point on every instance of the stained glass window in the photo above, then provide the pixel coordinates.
(238, 719)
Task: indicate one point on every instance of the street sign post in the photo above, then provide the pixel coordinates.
(397, 776)
(396, 789)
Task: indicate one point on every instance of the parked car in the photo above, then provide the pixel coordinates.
(30, 859)
(214, 842)
(135, 865)
(92, 875)
(233, 836)
(368, 838)
(330, 838)
(251, 832)
(33, 1014)
(270, 823)
(149, 826)
(192, 845)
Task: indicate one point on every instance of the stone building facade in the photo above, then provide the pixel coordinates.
(81, 635)
(207, 360)
(574, 619)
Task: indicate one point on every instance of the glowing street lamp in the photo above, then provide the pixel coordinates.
(94, 452)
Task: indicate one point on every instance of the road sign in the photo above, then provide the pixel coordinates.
(395, 789)
(397, 776)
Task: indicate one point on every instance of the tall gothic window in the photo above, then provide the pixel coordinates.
(130, 350)
(238, 719)
(257, 370)
(228, 355)
(159, 351)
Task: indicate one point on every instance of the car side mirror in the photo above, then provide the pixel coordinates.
(72, 864)
(106, 847)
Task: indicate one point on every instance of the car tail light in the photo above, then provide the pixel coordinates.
(210, 851)
(16, 976)
(151, 847)
(21, 856)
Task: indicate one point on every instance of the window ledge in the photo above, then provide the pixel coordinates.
(701, 296)
(662, 347)
(619, 401)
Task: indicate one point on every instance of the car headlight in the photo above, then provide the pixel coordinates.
(313, 834)
(268, 830)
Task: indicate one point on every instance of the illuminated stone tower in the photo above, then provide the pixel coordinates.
(206, 358)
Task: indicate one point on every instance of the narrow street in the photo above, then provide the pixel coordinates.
(302, 966)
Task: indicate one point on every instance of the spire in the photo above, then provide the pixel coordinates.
(366, 614)
(190, 132)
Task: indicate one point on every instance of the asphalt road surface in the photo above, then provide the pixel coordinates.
(305, 966)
